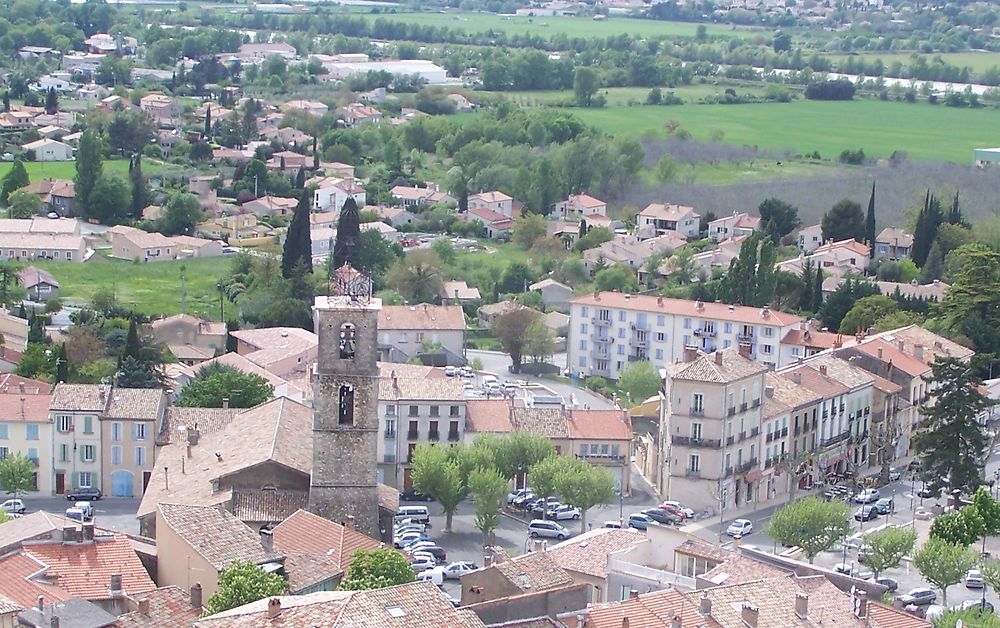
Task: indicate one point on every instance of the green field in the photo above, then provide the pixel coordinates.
(620, 96)
(977, 61)
(38, 170)
(922, 131)
(153, 288)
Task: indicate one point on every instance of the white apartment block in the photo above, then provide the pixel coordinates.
(608, 330)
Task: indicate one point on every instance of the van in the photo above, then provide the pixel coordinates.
(75, 514)
(87, 508)
(416, 513)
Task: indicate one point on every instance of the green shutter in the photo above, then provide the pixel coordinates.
(76, 479)
(82, 457)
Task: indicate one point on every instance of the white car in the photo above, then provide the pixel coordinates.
(417, 546)
(521, 492)
(13, 507)
(740, 527)
(450, 371)
(435, 575)
(564, 512)
(867, 496)
(455, 571)
(423, 563)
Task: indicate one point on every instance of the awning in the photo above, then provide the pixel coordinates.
(833, 460)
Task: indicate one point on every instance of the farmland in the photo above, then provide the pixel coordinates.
(976, 61)
(38, 170)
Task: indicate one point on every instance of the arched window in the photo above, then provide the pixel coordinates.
(346, 408)
(347, 342)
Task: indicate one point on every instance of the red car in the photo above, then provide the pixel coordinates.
(673, 509)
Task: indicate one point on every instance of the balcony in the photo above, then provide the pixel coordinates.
(731, 411)
(742, 436)
(798, 430)
(754, 431)
(453, 436)
(746, 466)
(692, 473)
(769, 438)
(602, 458)
(390, 435)
(412, 435)
(603, 339)
(743, 407)
(641, 342)
(841, 408)
(389, 458)
(744, 338)
(704, 333)
(728, 472)
(434, 435)
(729, 440)
(784, 431)
(833, 440)
(755, 403)
(637, 358)
(708, 443)
(601, 322)
(697, 411)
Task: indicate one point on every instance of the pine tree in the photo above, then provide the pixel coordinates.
(16, 179)
(208, 121)
(297, 253)
(348, 234)
(52, 102)
(870, 224)
(89, 167)
(140, 192)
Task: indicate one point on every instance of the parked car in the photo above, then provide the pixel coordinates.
(450, 371)
(660, 515)
(867, 496)
(921, 596)
(888, 583)
(613, 524)
(844, 568)
(674, 510)
(435, 575)
(523, 501)
(411, 495)
(408, 538)
(75, 514)
(684, 510)
(640, 521)
(740, 527)
(521, 492)
(885, 506)
(423, 563)
(928, 492)
(13, 507)
(414, 513)
(440, 556)
(87, 508)
(416, 546)
(454, 571)
(974, 579)
(978, 604)
(88, 493)
(563, 512)
(894, 474)
(866, 513)
(544, 505)
(547, 529)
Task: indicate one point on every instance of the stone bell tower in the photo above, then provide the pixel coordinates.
(345, 415)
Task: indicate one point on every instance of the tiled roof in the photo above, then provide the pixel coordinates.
(890, 353)
(702, 549)
(894, 236)
(421, 317)
(388, 498)
(812, 338)
(169, 607)
(775, 602)
(933, 344)
(386, 369)
(536, 571)
(599, 424)
(738, 569)
(16, 582)
(136, 403)
(207, 420)
(241, 363)
(213, 328)
(588, 553)
(420, 389)
(266, 506)
(84, 570)
(549, 422)
(841, 370)
(31, 277)
(459, 290)
(490, 197)
(730, 367)
(9, 606)
(811, 378)
(651, 610)
(190, 352)
(217, 536)
(936, 289)
(882, 616)
(292, 339)
(38, 525)
(306, 571)
(307, 533)
(668, 211)
(788, 393)
(683, 307)
(24, 408)
(9, 382)
(80, 397)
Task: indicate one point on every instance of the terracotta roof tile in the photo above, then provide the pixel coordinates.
(667, 211)
(707, 368)
(841, 370)
(812, 338)
(16, 582)
(266, 506)
(933, 344)
(811, 378)
(549, 422)
(207, 420)
(9, 382)
(136, 403)
(26, 408)
(702, 549)
(738, 569)
(422, 316)
(420, 389)
(599, 424)
(84, 570)
(588, 553)
(80, 397)
(488, 415)
(307, 533)
(169, 607)
(651, 610)
(683, 307)
(306, 571)
(218, 536)
(536, 571)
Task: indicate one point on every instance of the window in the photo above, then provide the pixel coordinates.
(687, 323)
(583, 450)
(696, 431)
(31, 431)
(661, 320)
(347, 341)
(4, 451)
(726, 344)
(621, 332)
(87, 453)
(86, 479)
(390, 428)
(140, 456)
(63, 453)
(594, 449)
(765, 349)
(116, 432)
(583, 345)
(454, 411)
(694, 462)
(453, 430)
(88, 425)
(435, 411)
(402, 337)
(659, 354)
(414, 411)
(697, 403)
(729, 460)
(413, 430)
(418, 336)
(583, 328)
(433, 431)
(116, 455)
(687, 341)
(390, 411)
(4, 432)
(626, 593)
(345, 411)
(584, 311)
(621, 317)
(728, 328)
(661, 337)
(64, 423)
(139, 431)
(621, 349)
(615, 451)
(768, 331)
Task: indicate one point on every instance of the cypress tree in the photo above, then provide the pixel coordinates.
(348, 234)
(52, 102)
(583, 227)
(817, 299)
(806, 298)
(927, 225)
(62, 365)
(300, 178)
(208, 121)
(933, 268)
(6, 101)
(955, 214)
(870, 224)
(89, 168)
(315, 155)
(140, 194)
(132, 341)
(297, 253)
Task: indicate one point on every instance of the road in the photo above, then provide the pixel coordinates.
(112, 513)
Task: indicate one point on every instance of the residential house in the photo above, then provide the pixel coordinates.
(585, 557)
(739, 224)
(395, 216)
(135, 244)
(184, 329)
(106, 44)
(414, 604)
(610, 329)
(555, 295)
(659, 218)
(35, 52)
(164, 110)
(39, 284)
(49, 150)
(496, 202)
(706, 263)
(26, 428)
(810, 238)
(533, 573)
(25, 246)
(232, 155)
(286, 136)
(462, 104)
(190, 355)
(281, 386)
(488, 314)
(807, 340)
(458, 293)
(287, 160)
(14, 330)
(836, 258)
(332, 193)
(128, 429)
(57, 195)
(322, 240)
(933, 291)
(232, 227)
(580, 205)
(165, 607)
(631, 251)
(893, 243)
(408, 331)
(52, 132)
(432, 408)
(317, 551)
(413, 196)
(311, 107)
(388, 232)
(357, 113)
(281, 350)
(271, 206)
(337, 169)
(196, 543)
(15, 120)
(76, 411)
(496, 225)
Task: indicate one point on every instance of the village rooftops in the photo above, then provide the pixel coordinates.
(421, 317)
(307, 533)
(81, 398)
(588, 552)
(683, 307)
(667, 211)
(420, 388)
(166, 607)
(136, 403)
(720, 367)
(217, 535)
(488, 415)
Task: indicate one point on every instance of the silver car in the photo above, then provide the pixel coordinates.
(548, 529)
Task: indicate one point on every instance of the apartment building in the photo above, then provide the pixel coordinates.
(434, 331)
(790, 418)
(608, 330)
(75, 411)
(26, 429)
(128, 429)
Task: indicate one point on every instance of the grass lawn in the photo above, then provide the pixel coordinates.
(922, 131)
(977, 61)
(621, 96)
(38, 170)
(727, 172)
(153, 288)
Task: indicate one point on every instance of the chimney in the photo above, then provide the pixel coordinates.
(225, 403)
(797, 377)
(659, 301)
(54, 622)
(699, 305)
(597, 296)
(880, 353)
(900, 344)
(88, 532)
(536, 546)
(69, 534)
(706, 606)
(633, 594)
(115, 587)
(822, 369)
(690, 354)
(273, 607)
(769, 391)
(193, 435)
(625, 622)
(675, 622)
(189, 451)
(918, 352)
(40, 602)
(267, 540)
(860, 604)
(144, 607)
(802, 605)
(744, 350)
(196, 595)
(487, 560)
(718, 358)
(749, 615)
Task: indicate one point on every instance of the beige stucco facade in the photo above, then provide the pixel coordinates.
(127, 453)
(76, 450)
(179, 564)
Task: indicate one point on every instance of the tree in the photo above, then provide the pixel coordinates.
(844, 221)
(140, 187)
(51, 102)
(213, 384)
(639, 381)
(887, 547)
(925, 232)
(435, 473)
(487, 487)
(511, 328)
(17, 474)
(584, 486)
(943, 564)
(418, 276)
(514, 453)
(23, 204)
(989, 511)
(595, 237)
(181, 214)
(539, 344)
(375, 255)
(784, 215)
(243, 582)
(62, 365)
(296, 256)
(969, 307)
(839, 303)
(377, 569)
(750, 279)
(952, 444)
(129, 132)
(346, 249)
(585, 85)
(817, 290)
(110, 200)
(132, 347)
(543, 477)
(666, 169)
(516, 278)
(11, 290)
(934, 265)
(617, 278)
(208, 121)
(812, 524)
(135, 373)
(15, 179)
(865, 312)
(961, 527)
(870, 224)
(528, 229)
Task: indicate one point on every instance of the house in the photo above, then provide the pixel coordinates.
(580, 205)
(271, 206)
(26, 428)
(807, 340)
(135, 244)
(165, 607)
(15, 120)
(39, 284)
(311, 107)
(288, 160)
(659, 218)
(57, 195)
(281, 386)
(190, 246)
(458, 293)
(810, 238)
(231, 227)
(199, 542)
(496, 202)
(893, 243)
(739, 224)
(395, 216)
(52, 132)
(164, 110)
(76, 411)
(357, 113)
(414, 196)
(49, 150)
(585, 557)
(430, 72)
(933, 291)
(554, 294)
(321, 241)
(57, 81)
(462, 104)
(533, 573)
(837, 258)
(106, 44)
(34, 239)
(332, 193)
(434, 331)
(705, 263)
(281, 350)
(495, 224)
(184, 329)
(489, 313)
(128, 428)
(14, 330)
(388, 232)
